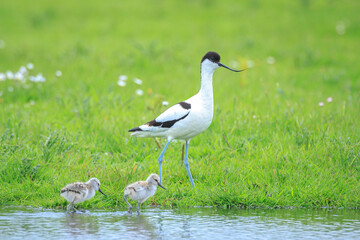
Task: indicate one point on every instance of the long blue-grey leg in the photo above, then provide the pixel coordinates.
(161, 159)
(186, 163)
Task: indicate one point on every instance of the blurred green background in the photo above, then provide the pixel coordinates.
(285, 132)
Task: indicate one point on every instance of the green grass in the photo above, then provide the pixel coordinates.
(292, 153)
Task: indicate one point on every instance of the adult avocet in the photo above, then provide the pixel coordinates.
(188, 118)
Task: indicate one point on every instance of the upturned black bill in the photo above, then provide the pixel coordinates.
(222, 65)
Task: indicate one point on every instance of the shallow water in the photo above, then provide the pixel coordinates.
(194, 223)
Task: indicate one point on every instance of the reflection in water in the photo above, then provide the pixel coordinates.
(195, 223)
(186, 227)
(80, 224)
(140, 226)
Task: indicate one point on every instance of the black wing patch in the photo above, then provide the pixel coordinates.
(135, 129)
(166, 124)
(185, 105)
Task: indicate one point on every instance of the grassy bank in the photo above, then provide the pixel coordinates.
(285, 132)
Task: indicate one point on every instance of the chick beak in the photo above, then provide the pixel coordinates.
(161, 185)
(101, 192)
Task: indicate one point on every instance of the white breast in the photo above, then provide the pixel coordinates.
(144, 194)
(90, 194)
(198, 120)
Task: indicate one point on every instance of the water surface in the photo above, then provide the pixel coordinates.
(194, 223)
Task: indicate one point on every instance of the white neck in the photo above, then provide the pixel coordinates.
(206, 89)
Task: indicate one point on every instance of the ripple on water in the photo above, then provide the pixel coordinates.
(199, 223)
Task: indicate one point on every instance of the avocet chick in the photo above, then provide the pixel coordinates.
(142, 190)
(80, 191)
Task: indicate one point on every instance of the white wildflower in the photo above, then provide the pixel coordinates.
(165, 103)
(321, 104)
(30, 66)
(329, 99)
(40, 78)
(121, 83)
(19, 76)
(139, 92)
(123, 77)
(58, 73)
(22, 70)
(137, 81)
(10, 75)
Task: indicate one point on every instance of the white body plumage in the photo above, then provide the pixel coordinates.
(189, 118)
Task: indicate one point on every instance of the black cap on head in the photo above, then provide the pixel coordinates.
(212, 56)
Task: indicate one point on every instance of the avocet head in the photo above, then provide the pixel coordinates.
(211, 61)
(95, 183)
(154, 179)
